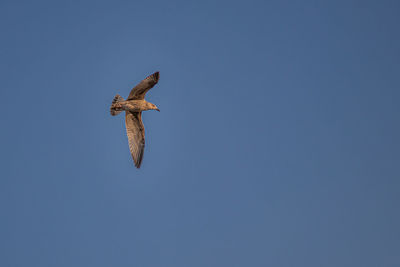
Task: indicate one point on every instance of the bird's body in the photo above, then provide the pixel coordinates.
(133, 108)
(133, 105)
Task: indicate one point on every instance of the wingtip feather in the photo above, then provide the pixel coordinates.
(156, 75)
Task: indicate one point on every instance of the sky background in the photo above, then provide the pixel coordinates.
(277, 143)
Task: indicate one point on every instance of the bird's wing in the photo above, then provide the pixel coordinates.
(135, 132)
(139, 91)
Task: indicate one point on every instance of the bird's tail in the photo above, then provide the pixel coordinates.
(115, 108)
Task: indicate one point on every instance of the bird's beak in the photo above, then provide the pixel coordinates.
(157, 109)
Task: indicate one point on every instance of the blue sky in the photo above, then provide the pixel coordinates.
(277, 143)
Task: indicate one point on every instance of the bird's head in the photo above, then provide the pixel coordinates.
(152, 106)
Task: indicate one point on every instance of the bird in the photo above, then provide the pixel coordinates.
(133, 107)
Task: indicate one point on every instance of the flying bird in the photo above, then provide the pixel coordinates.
(133, 107)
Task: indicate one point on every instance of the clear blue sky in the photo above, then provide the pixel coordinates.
(277, 143)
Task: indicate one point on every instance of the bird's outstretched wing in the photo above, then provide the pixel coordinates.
(135, 132)
(139, 91)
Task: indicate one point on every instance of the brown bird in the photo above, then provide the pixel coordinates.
(133, 108)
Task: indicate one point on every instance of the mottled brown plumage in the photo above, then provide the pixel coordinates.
(133, 108)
